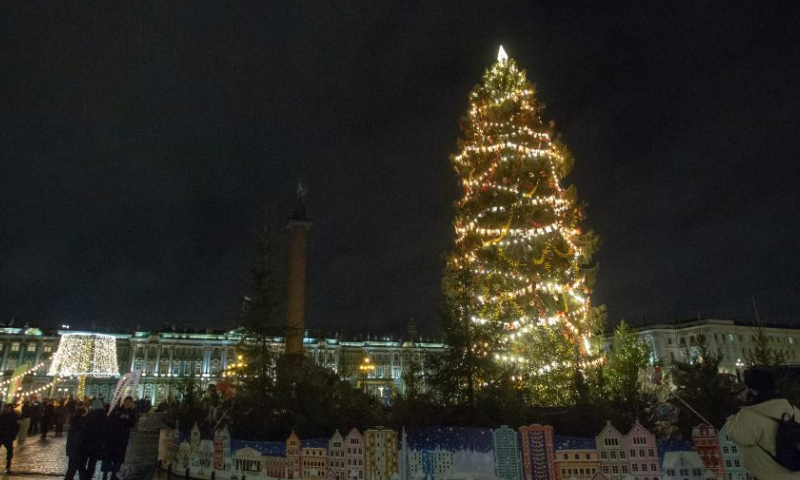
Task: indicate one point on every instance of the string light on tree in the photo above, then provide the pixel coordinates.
(517, 237)
(85, 355)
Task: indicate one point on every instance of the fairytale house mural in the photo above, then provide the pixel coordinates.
(448, 453)
(205, 454)
(354, 455)
(454, 453)
(248, 462)
(731, 455)
(507, 461)
(538, 455)
(184, 456)
(576, 458)
(336, 466)
(380, 455)
(194, 444)
(707, 445)
(685, 465)
(222, 450)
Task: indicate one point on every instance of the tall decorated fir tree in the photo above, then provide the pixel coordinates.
(519, 251)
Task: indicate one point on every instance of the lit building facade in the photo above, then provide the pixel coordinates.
(670, 342)
(167, 358)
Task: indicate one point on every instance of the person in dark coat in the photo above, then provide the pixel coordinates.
(9, 428)
(27, 409)
(61, 417)
(36, 416)
(121, 421)
(75, 438)
(48, 416)
(94, 437)
(71, 404)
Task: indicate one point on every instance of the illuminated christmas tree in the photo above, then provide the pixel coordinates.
(518, 241)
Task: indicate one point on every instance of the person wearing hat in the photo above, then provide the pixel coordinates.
(9, 427)
(755, 427)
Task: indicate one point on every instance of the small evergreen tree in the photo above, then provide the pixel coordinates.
(699, 384)
(631, 398)
(261, 324)
(766, 354)
(466, 365)
(263, 318)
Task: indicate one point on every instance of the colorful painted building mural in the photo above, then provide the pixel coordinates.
(576, 458)
(707, 445)
(507, 461)
(538, 454)
(731, 455)
(455, 453)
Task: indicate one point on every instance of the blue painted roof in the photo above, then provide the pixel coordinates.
(273, 449)
(573, 443)
(451, 439)
(314, 443)
(665, 446)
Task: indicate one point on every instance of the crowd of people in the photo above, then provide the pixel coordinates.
(96, 431)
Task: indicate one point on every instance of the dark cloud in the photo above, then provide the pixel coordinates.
(140, 143)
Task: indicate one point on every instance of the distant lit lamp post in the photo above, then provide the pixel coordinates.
(235, 370)
(365, 368)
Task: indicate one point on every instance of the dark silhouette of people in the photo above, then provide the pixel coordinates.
(94, 439)
(121, 420)
(75, 438)
(36, 417)
(9, 428)
(48, 417)
(61, 417)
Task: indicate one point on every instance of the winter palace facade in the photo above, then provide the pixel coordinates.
(168, 358)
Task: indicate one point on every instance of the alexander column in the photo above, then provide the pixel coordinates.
(298, 225)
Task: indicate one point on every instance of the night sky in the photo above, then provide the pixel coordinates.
(140, 143)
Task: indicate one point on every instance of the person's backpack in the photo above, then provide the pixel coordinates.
(787, 442)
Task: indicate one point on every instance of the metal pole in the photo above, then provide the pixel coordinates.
(692, 409)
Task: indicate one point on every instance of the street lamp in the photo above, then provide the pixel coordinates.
(365, 368)
(235, 369)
